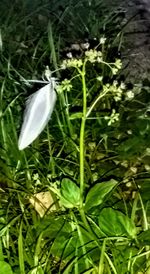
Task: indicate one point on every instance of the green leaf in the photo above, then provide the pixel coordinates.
(65, 245)
(114, 223)
(52, 226)
(70, 194)
(144, 237)
(98, 193)
(5, 268)
(77, 115)
(21, 251)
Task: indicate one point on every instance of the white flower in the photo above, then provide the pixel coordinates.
(147, 167)
(129, 95)
(99, 78)
(122, 86)
(102, 40)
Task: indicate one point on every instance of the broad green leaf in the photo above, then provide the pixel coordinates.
(98, 193)
(144, 237)
(5, 268)
(51, 226)
(70, 194)
(114, 223)
(65, 245)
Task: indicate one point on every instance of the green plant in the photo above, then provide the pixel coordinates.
(77, 200)
(94, 223)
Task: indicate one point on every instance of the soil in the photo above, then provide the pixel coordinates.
(135, 46)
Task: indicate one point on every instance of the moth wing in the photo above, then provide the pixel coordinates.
(38, 111)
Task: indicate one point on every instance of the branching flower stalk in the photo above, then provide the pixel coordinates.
(80, 66)
(91, 56)
(82, 150)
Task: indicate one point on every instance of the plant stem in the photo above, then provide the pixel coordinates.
(82, 151)
(82, 134)
(95, 102)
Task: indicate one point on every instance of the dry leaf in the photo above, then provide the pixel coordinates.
(42, 201)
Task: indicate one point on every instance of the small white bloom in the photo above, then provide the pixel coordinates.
(129, 94)
(128, 184)
(129, 131)
(85, 46)
(69, 55)
(102, 40)
(99, 78)
(147, 167)
(122, 86)
(115, 83)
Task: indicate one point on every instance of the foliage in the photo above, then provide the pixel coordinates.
(93, 157)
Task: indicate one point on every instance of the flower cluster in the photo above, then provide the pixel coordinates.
(115, 89)
(64, 86)
(112, 118)
(93, 56)
(116, 66)
(74, 62)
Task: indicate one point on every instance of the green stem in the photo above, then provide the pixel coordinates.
(82, 159)
(82, 150)
(82, 134)
(102, 257)
(95, 102)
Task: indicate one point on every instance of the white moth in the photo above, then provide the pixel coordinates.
(38, 111)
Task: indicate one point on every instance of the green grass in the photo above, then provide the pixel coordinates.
(91, 163)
